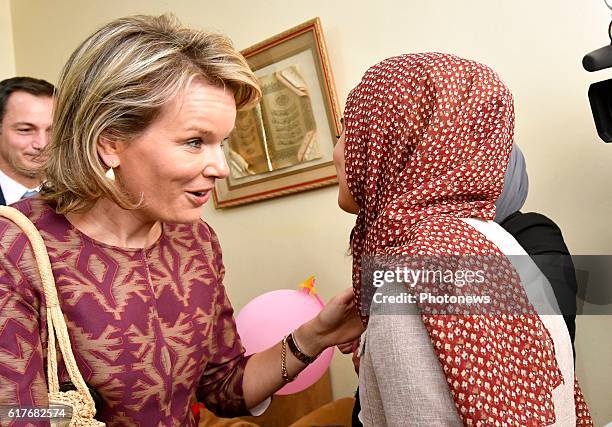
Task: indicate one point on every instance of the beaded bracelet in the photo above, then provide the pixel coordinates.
(284, 372)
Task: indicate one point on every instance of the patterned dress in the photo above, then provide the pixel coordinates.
(149, 327)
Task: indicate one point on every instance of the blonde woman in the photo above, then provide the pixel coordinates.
(142, 109)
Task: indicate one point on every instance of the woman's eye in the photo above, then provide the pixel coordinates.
(194, 143)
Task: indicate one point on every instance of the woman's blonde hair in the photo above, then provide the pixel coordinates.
(115, 84)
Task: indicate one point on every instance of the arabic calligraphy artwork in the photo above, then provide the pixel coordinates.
(280, 132)
(284, 145)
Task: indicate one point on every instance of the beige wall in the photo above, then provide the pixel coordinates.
(7, 52)
(536, 46)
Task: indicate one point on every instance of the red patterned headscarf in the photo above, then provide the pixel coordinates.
(427, 142)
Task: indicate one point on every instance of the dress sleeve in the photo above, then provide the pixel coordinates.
(22, 373)
(220, 387)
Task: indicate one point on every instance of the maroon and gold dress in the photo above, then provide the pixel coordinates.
(149, 327)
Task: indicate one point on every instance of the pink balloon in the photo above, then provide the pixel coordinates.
(266, 319)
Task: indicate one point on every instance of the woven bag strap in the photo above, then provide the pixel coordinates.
(56, 324)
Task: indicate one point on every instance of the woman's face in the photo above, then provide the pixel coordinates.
(174, 163)
(345, 199)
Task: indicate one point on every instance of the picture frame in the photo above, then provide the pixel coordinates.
(284, 145)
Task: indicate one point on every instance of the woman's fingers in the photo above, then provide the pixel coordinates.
(346, 347)
(345, 297)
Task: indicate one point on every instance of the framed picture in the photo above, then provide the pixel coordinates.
(284, 145)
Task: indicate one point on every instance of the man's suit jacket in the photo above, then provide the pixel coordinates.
(2, 201)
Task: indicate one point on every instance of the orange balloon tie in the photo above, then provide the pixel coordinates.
(309, 286)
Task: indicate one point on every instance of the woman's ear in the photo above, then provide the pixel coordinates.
(109, 150)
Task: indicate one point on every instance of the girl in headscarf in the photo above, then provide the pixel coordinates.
(421, 162)
(539, 236)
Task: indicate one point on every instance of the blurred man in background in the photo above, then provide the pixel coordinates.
(26, 107)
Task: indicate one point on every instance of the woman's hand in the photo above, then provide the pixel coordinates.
(349, 347)
(346, 348)
(337, 323)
